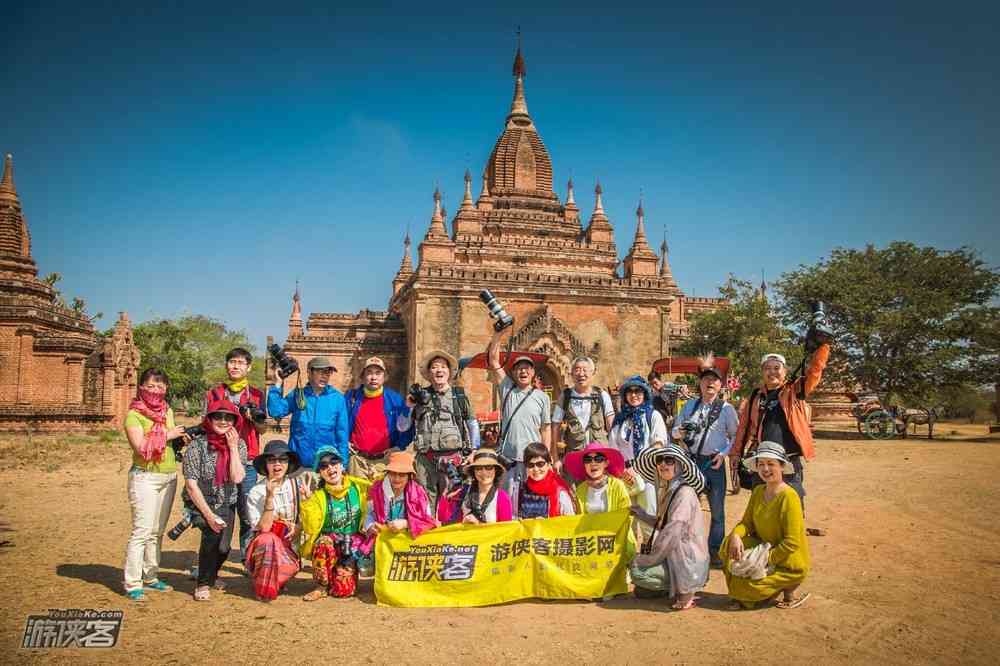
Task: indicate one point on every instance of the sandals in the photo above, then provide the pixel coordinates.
(316, 594)
(794, 602)
(203, 593)
(691, 603)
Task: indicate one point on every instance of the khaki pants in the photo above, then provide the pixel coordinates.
(151, 496)
(372, 469)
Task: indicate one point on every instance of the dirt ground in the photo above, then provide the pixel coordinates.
(909, 571)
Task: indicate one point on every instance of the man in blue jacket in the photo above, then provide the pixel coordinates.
(319, 413)
(372, 413)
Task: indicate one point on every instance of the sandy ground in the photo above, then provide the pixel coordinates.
(908, 572)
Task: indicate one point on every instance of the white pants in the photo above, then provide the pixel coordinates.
(151, 496)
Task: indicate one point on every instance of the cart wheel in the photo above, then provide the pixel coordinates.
(880, 425)
(861, 426)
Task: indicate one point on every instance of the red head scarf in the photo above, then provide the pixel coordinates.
(217, 441)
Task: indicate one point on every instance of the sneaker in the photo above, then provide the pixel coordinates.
(136, 595)
(158, 585)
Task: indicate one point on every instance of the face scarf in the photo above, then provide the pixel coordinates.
(153, 406)
(217, 442)
(237, 387)
(549, 486)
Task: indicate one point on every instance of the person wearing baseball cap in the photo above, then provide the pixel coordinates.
(319, 413)
(373, 410)
(707, 427)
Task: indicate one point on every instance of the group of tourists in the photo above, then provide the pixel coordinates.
(373, 461)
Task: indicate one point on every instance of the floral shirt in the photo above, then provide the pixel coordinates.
(199, 465)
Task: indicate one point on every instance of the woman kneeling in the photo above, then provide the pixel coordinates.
(484, 501)
(767, 554)
(598, 469)
(544, 494)
(273, 510)
(331, 526)
(398, 503)
(676, 557)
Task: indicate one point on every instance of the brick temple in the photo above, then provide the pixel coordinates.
(555, 271)
(56, 373)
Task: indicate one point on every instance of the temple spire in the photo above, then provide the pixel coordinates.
(295, 320)
(641, 261)
(640, 227)
(598, 205)
(519, 105)
(437, 228)
(7, 189)
(485, 201)
(664, 256)
(406, 265)
(467, 203)
(569, 193)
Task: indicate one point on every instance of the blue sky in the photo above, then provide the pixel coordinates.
(189, 160)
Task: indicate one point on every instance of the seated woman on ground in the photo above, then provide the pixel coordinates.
(273, 510)
(675, 558)
(331, 527)
(397, 503)
(484, 501)
(213, 468)
(766, 556)
(544, 494)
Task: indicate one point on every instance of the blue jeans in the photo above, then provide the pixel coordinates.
(246, 529)
(716, 491)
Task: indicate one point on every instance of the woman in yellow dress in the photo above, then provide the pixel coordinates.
(768, 548)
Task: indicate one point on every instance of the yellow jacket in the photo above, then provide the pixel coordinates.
(313, 512)
(618, 497)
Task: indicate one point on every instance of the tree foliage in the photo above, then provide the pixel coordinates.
(192, 351)
(77, 305)
(901, 315)
(743, 331)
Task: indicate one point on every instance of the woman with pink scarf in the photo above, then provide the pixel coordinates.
(152, 481)
(398, 502)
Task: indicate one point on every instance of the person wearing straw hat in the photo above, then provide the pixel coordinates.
(772, 522)
(441, 425)
(674, 560)
(398, 502)
(273, 510)
(483, 500)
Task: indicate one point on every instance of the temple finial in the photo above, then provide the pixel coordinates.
(519, 106)
(569, 193)
(7, 182)
(598, 204)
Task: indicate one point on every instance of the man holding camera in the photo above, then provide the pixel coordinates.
(707, 426)
(249, 424)
(319, 413)
(440, 422)
(777, 410)
(373, 410)
(524, 414)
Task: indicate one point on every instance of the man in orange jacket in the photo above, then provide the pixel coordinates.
(778, 412)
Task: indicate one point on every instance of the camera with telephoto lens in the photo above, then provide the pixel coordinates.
(820, 330)
(185, 522)
(691, 430)
(286, 364)
(502, 317)
(420, 395)
(252, 412)
(177, 443)
(452, 472)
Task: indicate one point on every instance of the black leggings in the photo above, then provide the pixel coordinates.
(214, 549)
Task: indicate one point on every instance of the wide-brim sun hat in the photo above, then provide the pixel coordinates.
(770, 451)
(438, 353)
(633, 382)
(575, 467)
(645, 464)
(484, 458)
(326, 452)
(400, 462)
(276, 447)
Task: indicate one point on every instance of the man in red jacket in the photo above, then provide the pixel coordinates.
(250, 424)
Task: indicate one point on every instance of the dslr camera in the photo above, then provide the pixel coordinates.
(252, 412)
(502, 319)
(820, 330)
(691, 430)
(420, 395)
(177, 443)
(286, 365)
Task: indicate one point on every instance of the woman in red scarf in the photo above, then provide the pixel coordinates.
(544, 493)
(214, 465)
(152, 481)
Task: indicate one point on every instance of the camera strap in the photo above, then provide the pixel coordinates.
(503, 408)
(661, 522)
(713, 415)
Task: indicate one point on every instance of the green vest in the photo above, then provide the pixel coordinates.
(577, 434)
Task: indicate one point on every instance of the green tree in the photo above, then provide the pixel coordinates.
(192, 351)
(743, 331)
(982, 327)
(900, 314)
(77, 305)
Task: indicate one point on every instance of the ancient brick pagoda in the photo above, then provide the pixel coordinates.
(56, 373)
(558, 277)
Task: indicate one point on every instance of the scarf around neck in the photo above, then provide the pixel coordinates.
(373, 394)
(237, 387)
(549, 486)
(638, 417)
(153, 406)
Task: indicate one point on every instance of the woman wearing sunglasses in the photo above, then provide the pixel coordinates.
(273, 510)
(675, 560)
(331, 527)
(598, 469)
(214, 465)
(544, 493)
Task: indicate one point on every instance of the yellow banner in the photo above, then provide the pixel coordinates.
(570, 557)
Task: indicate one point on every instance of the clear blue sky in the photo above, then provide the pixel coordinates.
(170, 160)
